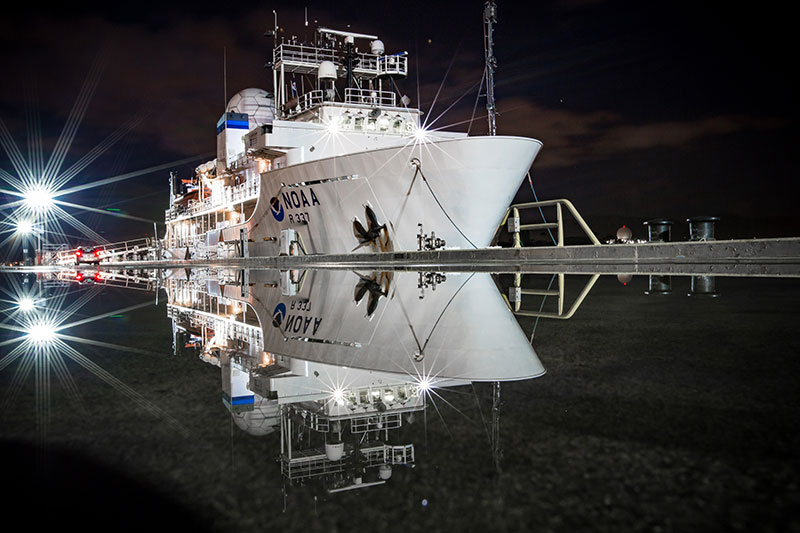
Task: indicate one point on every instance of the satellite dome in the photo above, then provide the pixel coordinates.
(262, 420)
(327, 71)
(624, 234)
(258, 104)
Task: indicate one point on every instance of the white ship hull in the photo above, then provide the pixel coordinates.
(462, 330)
(470, 183)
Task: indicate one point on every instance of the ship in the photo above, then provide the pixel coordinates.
(335, 160)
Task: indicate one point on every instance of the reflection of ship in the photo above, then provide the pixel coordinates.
(340, 164)
(339, 360)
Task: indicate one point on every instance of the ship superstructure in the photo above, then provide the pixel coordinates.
(336, 160)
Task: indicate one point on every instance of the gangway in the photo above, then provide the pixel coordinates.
(145, 249)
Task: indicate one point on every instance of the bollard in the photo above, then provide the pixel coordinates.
(701, 228)
(703, 286)
(659, 230)
(659, 284)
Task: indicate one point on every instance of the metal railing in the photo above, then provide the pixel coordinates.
(229, 195)
(304, 59)
(368, 97)
(114, 250)
(393, 65)
(515, 227)
(305, 102)
(311, 463)
(514, 299)
(301, 58)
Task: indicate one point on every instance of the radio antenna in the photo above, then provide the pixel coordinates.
(225, 76)
(489, 19)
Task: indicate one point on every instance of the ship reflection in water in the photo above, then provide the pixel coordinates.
(336, 360)
(395, 382)
(333, 361)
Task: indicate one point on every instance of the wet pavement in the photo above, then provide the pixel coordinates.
(657, 412)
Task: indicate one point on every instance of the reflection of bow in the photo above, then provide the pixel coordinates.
(420, 354)
(373, 231)
(375, 290)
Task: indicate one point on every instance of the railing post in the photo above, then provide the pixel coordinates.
(560, 225)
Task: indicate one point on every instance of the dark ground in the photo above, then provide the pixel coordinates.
(669, 413)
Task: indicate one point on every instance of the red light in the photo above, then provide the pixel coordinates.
(98, 277)
(79, 276)
(78, 253)
(97, 253)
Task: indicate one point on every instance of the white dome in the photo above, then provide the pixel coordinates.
(326, 71)
(257, 103)
(261, 420)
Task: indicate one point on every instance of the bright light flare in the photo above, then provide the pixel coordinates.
(42, 333)
(425, 384)
(25, 304)
(333, 125)
(24, 227)
(420, 134)
(38, 199)
(338, 396)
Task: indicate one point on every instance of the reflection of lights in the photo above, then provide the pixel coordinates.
(42, 333)
(25, 304)
(425, 384)
(389, 396)
(333, 125)
(24, 227)
(38, 199)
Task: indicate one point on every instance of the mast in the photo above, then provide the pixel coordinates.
(489, 19)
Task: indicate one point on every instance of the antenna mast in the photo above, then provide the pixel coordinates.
(225, 77)
(489, 19)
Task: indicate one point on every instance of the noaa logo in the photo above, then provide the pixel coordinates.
(280, 310)
(277, 212)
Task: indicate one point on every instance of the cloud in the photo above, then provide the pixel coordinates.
(572, 137)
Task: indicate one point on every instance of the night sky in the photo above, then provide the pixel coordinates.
(645, 110)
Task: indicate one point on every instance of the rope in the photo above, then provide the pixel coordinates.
(419, 169)
(544, 299)
(536, 198)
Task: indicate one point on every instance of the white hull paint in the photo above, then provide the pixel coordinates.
(473, 178)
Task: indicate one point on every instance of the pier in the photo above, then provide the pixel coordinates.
(745, 257)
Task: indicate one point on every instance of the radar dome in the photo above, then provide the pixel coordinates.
(256, 103)
(327, 71)
(262, 420)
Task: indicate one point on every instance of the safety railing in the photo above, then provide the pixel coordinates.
(141, 246)
(304, 102)
(298, 57)
(229, 195)
(515, 293)
(512, 218)
(369, 97)
(393, 65)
